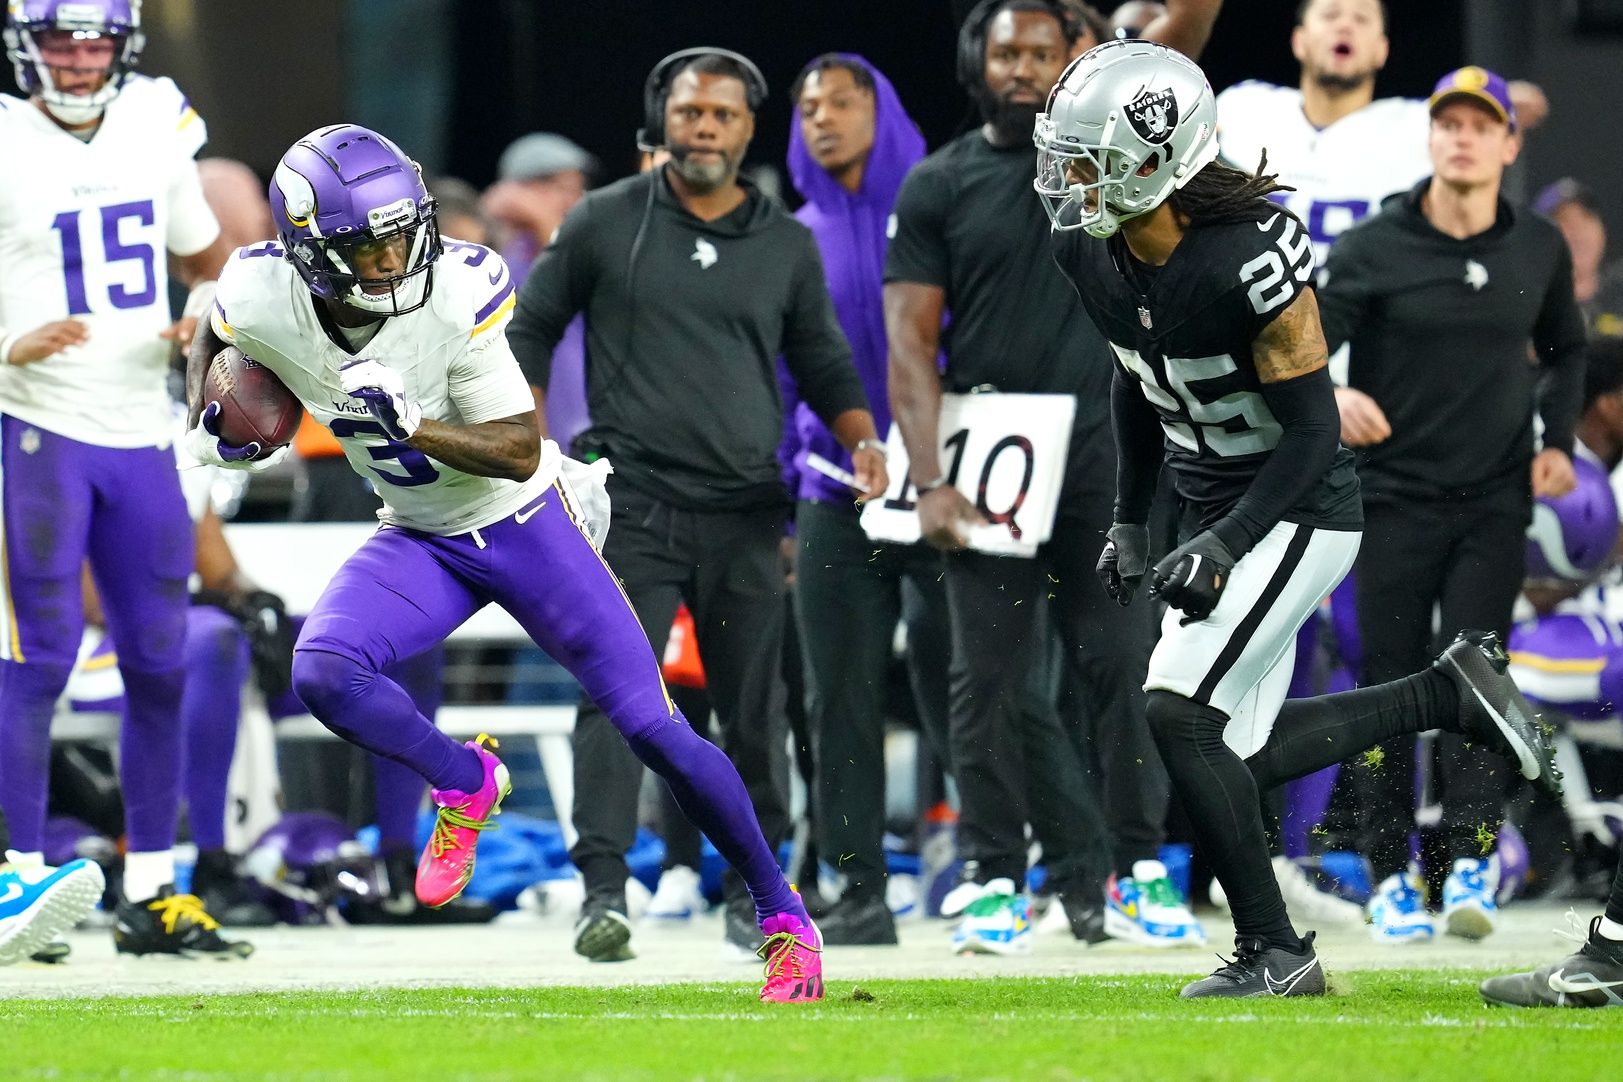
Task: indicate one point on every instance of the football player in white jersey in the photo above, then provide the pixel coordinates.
(396, 341)
(1341, 149)
(97, 192)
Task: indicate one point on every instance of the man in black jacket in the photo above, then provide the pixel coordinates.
(1461, 316)
(692, 283)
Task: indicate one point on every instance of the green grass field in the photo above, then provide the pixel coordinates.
(1414, 1025)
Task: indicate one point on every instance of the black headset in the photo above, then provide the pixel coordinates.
(651, 136)
(972, 37)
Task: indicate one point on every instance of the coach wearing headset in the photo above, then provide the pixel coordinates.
(692, 283)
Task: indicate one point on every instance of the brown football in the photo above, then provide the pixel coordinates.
(255, 406)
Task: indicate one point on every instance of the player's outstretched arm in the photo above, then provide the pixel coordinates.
(509, 447)
(1292, 362)
(1186, 26)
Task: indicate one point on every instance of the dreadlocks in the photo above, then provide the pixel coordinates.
(1220, 194)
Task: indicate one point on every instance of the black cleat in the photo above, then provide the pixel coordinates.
(174, 924)
(1085, 911)
(864, 921)
(742, 931)
(53, 953)
(1494, 712)
(1259, 970)
(226, 896)
(1593, 977)
(603, 934)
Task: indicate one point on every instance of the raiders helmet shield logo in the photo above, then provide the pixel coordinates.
(1154, 114)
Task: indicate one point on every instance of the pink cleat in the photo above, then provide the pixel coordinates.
(794, 960)
(447, 863)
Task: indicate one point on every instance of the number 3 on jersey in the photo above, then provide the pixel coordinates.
(419, 470)
(1272, 277)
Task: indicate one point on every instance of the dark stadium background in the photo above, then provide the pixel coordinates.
(455, 80)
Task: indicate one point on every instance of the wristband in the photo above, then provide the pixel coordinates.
(871, 444)
(930, 486)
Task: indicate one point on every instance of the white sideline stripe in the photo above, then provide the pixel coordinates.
(452, 720)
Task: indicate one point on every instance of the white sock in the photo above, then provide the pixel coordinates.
(1610, 929)
(147, 873)
(24, 860)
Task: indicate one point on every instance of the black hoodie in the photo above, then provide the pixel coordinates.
(685, 320)
(1456, 341)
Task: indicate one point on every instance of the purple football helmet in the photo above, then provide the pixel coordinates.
(346, 193)
(1572, 537)
(28, 20)
(307, 862)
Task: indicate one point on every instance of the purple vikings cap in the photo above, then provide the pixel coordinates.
(1481, 86)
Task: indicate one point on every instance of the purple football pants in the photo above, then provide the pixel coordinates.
(65, 502)
(405, 591)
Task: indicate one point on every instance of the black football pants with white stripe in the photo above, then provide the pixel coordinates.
(1218, 711)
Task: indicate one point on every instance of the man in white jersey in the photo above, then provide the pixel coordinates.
(1340, 147)
(98, 191)
(396, 342)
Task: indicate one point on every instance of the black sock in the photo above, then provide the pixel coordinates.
(1220, 795)
(1310, 734)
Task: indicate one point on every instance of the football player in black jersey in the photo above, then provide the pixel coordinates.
(1200, 284)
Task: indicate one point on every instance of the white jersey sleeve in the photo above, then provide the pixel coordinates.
(452, 356)
(486, 382)
(85, 232)
(1340, 173)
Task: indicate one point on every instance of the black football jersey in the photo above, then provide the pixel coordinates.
(1184, 331)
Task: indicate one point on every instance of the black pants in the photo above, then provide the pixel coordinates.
(994, 601)
(1466, 560)
(725, 565)
(849, 595)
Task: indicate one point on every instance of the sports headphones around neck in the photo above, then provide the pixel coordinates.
(651, 136)
(972, 37)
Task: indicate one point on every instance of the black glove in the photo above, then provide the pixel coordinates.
(1191, 577)
(1121, 565)
(270, 641)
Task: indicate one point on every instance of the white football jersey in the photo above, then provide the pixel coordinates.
(452, 355)
(1341, 173)
(85, 232)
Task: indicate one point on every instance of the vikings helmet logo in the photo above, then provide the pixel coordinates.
(1154, 114)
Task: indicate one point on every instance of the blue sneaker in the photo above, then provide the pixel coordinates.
(1397, 911)
(1469, 908)
(997, 922)
(1147, 909)
(38, 903)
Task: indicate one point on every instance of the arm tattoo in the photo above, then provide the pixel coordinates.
(1293, 344)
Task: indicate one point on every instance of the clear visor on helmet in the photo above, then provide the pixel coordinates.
(1082, 185)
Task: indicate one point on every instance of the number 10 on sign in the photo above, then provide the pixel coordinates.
(1005, 453)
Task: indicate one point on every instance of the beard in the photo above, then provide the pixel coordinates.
(703, 175)
(1011, 121)
(1343, 84)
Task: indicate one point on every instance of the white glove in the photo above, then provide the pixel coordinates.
(384, 393)
(205, 448)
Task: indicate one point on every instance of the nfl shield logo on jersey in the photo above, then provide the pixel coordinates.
(1154, 114)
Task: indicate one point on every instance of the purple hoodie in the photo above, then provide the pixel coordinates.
(850, 234)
